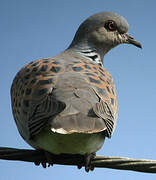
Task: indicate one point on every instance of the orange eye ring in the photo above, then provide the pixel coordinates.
(111, 26)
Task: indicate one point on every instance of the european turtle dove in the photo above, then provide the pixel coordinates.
(67, 104)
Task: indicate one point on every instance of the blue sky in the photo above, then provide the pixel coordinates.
(35, 29)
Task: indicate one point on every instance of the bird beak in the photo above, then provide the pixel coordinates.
(131, 40)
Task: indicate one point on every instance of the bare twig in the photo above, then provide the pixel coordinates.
(37, 156)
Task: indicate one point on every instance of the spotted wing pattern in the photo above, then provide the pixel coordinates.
(76, 96)
(102, 83)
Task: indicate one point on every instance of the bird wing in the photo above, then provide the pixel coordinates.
(30, 91)
(69, 98)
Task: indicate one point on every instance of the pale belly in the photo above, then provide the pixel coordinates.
(76, 143)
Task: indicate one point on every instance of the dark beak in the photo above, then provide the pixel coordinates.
(131, 40)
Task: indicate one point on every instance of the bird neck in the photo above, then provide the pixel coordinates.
(87, 51)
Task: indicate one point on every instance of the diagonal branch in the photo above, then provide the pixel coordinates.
(38, 156)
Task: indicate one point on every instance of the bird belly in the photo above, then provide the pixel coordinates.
(75, 143)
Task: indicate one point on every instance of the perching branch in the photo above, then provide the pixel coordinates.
(37, 156)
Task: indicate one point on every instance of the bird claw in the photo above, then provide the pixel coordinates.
(48, 162)
(88, 159)
(44, 164)
(87, 162)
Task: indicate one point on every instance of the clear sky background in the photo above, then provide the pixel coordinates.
(32, 29)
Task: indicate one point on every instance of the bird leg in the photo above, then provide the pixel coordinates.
(48, 157)
(87, 162)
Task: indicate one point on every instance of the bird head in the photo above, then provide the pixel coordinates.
(104, 31)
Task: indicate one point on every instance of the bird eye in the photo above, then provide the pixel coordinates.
(111, 26)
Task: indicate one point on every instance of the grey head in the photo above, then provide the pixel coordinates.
(102, 32)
